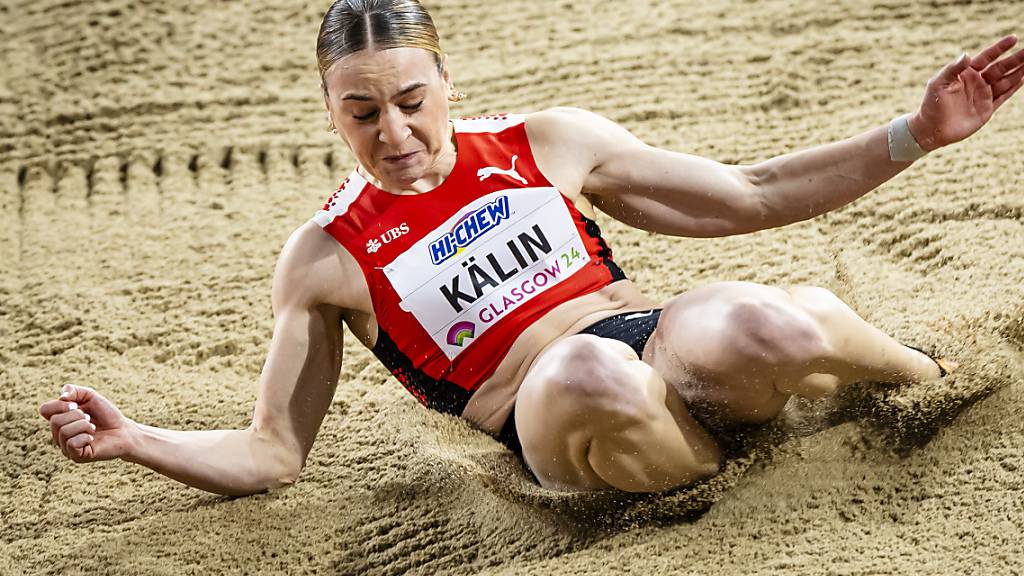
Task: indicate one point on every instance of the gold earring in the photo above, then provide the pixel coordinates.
(456, 96)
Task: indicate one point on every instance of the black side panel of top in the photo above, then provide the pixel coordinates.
(440, 395)
(605, 252)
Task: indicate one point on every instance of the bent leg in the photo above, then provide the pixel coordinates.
(860, 351)
(591, 415)
(736, 351)
(726, 347)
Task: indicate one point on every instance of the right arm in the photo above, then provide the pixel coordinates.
(295, 390)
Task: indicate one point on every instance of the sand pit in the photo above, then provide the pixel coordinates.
(154, 158)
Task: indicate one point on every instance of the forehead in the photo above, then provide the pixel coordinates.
(380, 72)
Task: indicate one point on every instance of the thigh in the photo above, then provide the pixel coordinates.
(578, 389)
(725, 346)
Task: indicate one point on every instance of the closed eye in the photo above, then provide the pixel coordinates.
(412, 107)
(405, 107)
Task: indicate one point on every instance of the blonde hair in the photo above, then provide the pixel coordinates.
(353, 25)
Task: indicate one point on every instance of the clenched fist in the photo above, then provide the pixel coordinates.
(86, 426)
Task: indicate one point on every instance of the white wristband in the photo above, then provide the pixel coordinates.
(902, 145)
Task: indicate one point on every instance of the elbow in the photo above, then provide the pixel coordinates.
(266, 481)
(757, 207)
(281, 470)
(289, 476)
(283, 482)
(286, 470)
(275, 464)
(282, 478)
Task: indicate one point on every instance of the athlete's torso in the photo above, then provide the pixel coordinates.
(480, 274)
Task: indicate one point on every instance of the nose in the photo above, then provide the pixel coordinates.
(393, 128)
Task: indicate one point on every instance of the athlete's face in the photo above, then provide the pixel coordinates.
(391, 108)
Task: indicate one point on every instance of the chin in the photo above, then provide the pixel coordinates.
(404, 177)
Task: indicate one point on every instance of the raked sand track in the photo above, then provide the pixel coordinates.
(155, 156)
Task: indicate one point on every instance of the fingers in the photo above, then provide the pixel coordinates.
(66, 411)
(1019, 75)
(69, 394)
(77, 443)
(1007, 82)
(952, 71)
(76, 428)
(69, 417)
(64, 426)
(71, 428)
(73, 393)
(78, 448)
(993, 52)
(996, 71)
(75, 438)
(54, 407)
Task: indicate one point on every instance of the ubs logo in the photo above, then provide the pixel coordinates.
(372, 245)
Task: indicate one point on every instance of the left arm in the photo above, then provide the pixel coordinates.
(801, 185)
(684, 195)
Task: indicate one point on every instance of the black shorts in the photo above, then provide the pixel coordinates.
(633, 328)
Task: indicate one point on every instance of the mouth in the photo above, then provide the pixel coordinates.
(400, 157)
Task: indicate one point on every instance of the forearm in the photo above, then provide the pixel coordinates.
(804, 184)
(228, 462)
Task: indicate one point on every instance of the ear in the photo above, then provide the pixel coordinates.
(446, 73)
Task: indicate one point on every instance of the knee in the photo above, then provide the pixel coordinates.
(591, 375)
(819, 302)
(775, 333)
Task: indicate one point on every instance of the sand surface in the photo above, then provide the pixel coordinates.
(155, 156)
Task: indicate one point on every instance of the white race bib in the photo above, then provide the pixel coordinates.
(492, 257)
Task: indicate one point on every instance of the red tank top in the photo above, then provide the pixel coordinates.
(456, 274)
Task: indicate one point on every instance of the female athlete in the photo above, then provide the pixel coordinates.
(465, 255)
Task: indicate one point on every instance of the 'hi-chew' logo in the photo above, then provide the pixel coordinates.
(459, 332)
(469, 228)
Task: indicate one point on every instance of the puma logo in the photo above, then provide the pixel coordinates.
(484, 173)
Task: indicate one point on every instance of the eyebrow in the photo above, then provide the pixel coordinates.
(402, 92)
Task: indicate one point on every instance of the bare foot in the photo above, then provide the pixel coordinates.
(944, 366)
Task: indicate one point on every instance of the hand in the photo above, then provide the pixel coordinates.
(962, 97)
(86, 426)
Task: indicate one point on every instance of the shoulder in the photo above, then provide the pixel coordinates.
(574, 142)
(576, 128)
(561, 114)
(312, 269)
(552, 122)
(560, 122)
(578, 121)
